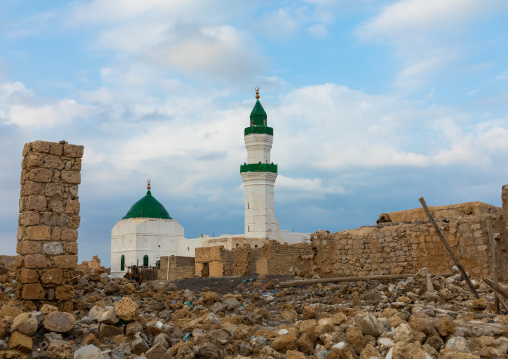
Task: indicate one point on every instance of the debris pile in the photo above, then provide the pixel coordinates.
(256, 317)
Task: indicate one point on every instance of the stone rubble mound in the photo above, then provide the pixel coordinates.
(114, 318)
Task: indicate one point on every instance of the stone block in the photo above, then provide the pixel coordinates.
(64, 292)
(38, 233)
(69, 235)
(76, 166)
(52, 276)
(73, 221)
(26, 148)
(75, 151)
(43, 175)
(31, 188)
(28, 247)
(31, 218)
(20, 233)
(35, 203)
(35, 261)
(21, 342)
(56, 205)
(40, 146)
(33, 161)
(59, 322)
(53, 219)
(72, 207)
(73, 177)
(56, 149)
(56, 233)
(28, 276)
(53, 189)
(71, 248)
(52, 248)
(56, 176)
(65, 261)
(33, 291)
(52, 161)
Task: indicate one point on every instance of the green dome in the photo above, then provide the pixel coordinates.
(147, 207)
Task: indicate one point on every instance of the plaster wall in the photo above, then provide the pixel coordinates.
(260, 220)
(258, 148)
(136, 237)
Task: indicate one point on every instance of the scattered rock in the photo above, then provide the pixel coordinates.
(127, 309)
(59, 322)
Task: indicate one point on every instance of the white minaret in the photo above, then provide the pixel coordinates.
(258, 176)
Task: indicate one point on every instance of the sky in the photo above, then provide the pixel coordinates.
(374, 104)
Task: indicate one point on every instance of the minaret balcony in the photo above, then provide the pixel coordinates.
(261, 130)
(258, 167)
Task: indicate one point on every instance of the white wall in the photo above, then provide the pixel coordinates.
(258, 148)
(137, 237)
(260, 220)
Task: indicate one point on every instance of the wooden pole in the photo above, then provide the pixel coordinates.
(448, 248)
(353, 279)
(495, 263)
(500, 291)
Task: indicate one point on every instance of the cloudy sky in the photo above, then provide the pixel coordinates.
(373, 104)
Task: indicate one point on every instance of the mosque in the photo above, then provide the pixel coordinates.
(147, 232)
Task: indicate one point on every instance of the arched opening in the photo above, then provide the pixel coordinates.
(145, 260)
(122, 263)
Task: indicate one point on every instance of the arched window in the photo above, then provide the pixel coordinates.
(122, 263)
(145, 260)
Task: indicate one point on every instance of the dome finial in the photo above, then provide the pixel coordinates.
(148, 184)
(257, 93)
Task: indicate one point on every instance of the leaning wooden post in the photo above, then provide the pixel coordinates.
(495, 263)
(448, 248)
(503, 295)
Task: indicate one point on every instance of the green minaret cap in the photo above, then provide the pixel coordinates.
(147, 207)
(258, 115)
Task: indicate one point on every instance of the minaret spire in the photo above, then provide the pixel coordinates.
(258, 175)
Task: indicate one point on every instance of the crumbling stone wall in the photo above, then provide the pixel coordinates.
(284, 259)
(221, 262)
(48, 223)
(179, 267)
(413, 244)
(241, 264)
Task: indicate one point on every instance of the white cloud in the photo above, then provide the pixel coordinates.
(427, 35)
(20, 106)
(289, 188)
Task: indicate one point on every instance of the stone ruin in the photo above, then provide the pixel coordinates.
(48, 223)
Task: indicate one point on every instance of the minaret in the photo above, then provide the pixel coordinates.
(258, 176)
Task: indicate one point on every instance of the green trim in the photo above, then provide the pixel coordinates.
(122, 263)
(258, 167)
(145, 260)
(262, 130)
(147, 207)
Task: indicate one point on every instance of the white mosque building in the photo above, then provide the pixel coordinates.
(147, 232)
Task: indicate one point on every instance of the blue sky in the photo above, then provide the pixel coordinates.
(373, 104)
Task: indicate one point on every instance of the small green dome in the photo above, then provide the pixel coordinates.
(147, 207)
(258, 115)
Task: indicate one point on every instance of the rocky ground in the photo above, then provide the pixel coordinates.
(253, 317)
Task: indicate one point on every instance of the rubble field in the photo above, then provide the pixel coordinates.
(256, 317)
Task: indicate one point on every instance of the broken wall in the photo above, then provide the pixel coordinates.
(284, 259)
(48, 223)
(179, 267)
(413, 243)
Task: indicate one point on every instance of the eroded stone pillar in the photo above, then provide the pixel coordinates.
(48, 223)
